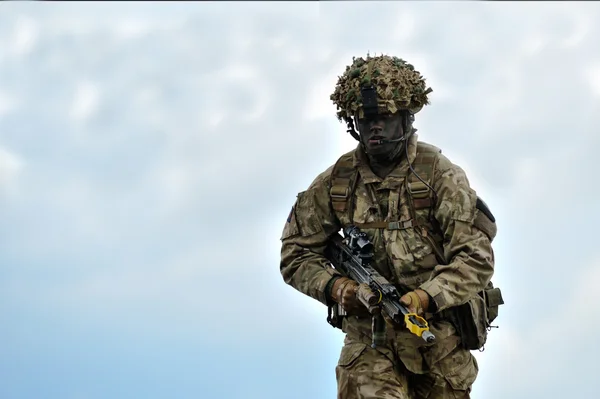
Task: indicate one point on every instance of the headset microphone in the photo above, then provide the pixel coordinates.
(382, 141)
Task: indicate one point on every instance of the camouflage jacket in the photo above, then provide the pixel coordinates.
(403, 256)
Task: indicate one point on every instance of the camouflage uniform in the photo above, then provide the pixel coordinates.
(407, 366)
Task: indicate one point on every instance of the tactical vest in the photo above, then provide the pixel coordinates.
(473, 319)
(344, 178)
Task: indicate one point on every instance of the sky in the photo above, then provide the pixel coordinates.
(150, 153)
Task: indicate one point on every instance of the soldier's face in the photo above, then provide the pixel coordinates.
(376, 132)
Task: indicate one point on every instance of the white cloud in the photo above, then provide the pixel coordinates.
(8, 104)
(86, 101)
(533, 355)
(63, 24)
(245, 82)
(593, 75)
(132, 28)
(175, 182)
(10, 167)
(239, 72)
(528, 174)
(403, 29)
(534, 43)
(25, 35)
(318, 104)
(148, 96)
(214, 119)
(567, 26)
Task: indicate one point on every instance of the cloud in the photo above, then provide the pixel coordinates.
(593, 74)
(131, 28)
(8, 104)
(10, 167)
(85, 101)
(25, 35)
(534, 355)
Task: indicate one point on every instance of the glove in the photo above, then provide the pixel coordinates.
(355, 298)
(416, 301)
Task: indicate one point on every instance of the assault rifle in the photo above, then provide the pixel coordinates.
(352, 255)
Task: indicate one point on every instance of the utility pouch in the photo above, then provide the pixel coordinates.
(473, 319)
(493, 299)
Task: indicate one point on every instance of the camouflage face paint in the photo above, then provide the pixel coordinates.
(379, 135)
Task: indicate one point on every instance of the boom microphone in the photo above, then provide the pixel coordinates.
(387, 141)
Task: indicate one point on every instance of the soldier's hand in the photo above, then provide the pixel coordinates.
(416, 301)
(354, 298)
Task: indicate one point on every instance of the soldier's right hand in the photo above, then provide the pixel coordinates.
(355, 299)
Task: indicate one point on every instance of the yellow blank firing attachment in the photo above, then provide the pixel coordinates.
(418, 326)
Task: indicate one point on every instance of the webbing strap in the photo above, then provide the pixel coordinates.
(344, 177)
(342, 184)
(417, 189)
(398, 225)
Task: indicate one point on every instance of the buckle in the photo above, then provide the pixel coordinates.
(400, 225)
(418, 189)
(339, 192)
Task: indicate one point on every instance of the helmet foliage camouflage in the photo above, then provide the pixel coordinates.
(398, 85)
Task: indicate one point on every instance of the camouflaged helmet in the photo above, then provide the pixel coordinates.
(395, 85)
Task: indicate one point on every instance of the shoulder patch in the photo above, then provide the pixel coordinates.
(482, 206)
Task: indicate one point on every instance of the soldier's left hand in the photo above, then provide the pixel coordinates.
(416, 301)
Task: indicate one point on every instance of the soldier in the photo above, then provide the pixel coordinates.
(432, 236)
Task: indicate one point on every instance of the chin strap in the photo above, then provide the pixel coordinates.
(351, 129)
(407, 121)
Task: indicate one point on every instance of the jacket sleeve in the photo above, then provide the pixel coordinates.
(468, 229)
(310, 223)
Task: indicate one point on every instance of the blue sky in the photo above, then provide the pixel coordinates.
(150, 153)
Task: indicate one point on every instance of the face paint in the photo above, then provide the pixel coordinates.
(382, 134)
